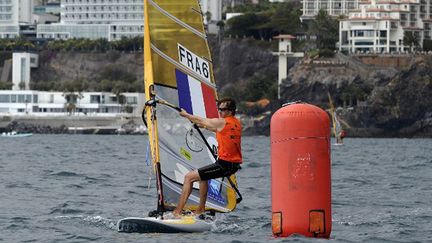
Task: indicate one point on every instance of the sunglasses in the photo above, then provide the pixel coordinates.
(223, 109)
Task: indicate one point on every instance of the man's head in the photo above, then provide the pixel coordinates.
(227, 106)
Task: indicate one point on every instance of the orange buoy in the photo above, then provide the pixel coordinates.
(300, 171)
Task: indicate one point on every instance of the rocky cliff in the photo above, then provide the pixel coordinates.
(386, 96)
(237, 61)
(61, 67)
(377, 95)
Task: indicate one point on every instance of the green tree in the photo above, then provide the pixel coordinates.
(427, 45)
(253, 8)
(326, 29)
(71, 99)
(21, 85)
(411, 39)
(353, 93)
(208, 16)
(121, 99)
(106, 85)
(264, 20)
(5, 85)
(286, 18)
(250, 24)
(259, 87)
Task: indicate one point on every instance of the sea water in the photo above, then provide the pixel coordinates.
(74, 188)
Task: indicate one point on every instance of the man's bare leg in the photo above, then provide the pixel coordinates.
(203, 189)
(190, 178)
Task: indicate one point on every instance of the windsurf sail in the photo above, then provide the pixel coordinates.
(178, 72)
(337, 128)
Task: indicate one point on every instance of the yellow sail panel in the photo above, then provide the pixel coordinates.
(181, 9)
(176, 24)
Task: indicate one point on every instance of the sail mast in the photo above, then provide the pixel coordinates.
(151, 110)
(332, 112)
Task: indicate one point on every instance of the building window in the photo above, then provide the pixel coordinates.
(23, 69)
(132, 100)
(21, 98)
(4, 98)
(95, 99)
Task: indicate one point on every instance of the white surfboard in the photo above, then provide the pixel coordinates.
(186, 224)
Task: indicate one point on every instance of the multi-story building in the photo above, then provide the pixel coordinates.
(233, 3)
(49, 8)
(332, 7)
(110, 19)
(22, 63)
(379, 26)
(93, 19)
(14, 15)
(45, 103)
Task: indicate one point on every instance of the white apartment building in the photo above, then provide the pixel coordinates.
(379, 26)
(212, 11)
(93, 19)
(14, 13)
(332, 7)
(21, 69)
(46, 103)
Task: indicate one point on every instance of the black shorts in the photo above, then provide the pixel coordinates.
(219, 169)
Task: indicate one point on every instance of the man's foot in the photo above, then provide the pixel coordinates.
(177, 213)
(171, 215)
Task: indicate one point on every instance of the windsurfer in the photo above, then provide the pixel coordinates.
(228, 135)
(341, 136)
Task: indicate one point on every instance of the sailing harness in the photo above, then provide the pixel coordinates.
(152, 102)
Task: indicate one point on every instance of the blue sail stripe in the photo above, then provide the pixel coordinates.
(185, 100)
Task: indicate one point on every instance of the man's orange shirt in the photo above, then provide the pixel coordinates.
(229, 140)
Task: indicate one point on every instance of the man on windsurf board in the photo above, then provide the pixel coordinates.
(228, 135)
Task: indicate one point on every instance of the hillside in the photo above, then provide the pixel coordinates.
(385, 96)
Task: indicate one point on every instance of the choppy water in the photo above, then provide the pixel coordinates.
(74, 188)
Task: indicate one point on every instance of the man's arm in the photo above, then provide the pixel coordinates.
(212, 124)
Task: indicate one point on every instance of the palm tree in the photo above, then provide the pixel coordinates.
(72, 99)
(121, 99)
